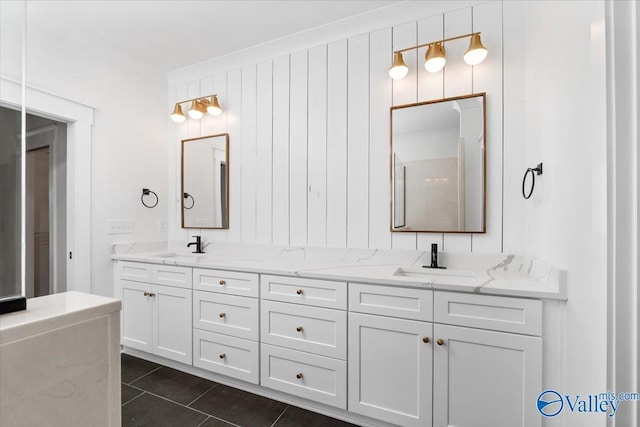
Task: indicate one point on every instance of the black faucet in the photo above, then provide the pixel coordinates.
(198, 244)
(434, 257)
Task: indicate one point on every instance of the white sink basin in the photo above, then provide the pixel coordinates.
(434, 275)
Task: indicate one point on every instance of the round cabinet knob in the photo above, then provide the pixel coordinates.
(222, 355)
(146, 294)
(299, 329)
(440, 341)
(152, 294)
(425, 340)
(222, 282)
(222, 315)
(299, 376)
(299, 291)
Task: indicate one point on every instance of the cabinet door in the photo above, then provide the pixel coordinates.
(390, 369)
(137, 312)
(485, 378)
(172, 323)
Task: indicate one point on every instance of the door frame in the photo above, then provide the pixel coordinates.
(79, 120)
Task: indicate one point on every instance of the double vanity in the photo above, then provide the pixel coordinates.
(370, 337)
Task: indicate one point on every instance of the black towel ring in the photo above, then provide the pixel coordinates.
(534, 171)
(146, 192)
(193, 201)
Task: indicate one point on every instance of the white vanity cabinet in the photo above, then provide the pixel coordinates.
(479, 355)
(487, 360)
(225, 322)
(156, 318)
(390, 358)
(378, 354)
(303, 334)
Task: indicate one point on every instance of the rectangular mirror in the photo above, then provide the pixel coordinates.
(205, 182)
(438, 165)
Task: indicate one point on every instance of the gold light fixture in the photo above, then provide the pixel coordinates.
(177, 115)
(199, 106)
(476, 52)
(214, 107)
(399, 69)
(435, 57)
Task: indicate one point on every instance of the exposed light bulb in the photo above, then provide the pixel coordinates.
(177, 115)
(195, 111)
(434, 59)
(214, 107)
(399, 69)
(476, 53)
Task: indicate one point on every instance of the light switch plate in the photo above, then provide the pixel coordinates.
(120, 226)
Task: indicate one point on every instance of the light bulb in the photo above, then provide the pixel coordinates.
(214, 107)
(195, 111)
(434, 59)
(399, 69)
(177, 115)
(476, 52)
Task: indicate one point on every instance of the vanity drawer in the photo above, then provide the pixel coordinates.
(522, 316)
(316, 330)
(226, 314)
(226, 282)
(321, 293)
(406, 303)
(134, 271)
(171, 275)
(234, 357)
(317, 378)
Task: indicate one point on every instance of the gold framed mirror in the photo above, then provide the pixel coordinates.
(438, 165)
(205, 182)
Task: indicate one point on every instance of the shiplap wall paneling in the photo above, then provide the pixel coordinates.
(487, 18)
(514, 128)
(337, 144)
(405, 91)
(281, 151)
(264, 150)
(173, 225)
(317, 198)
(236, 166)
(218, 126)
(358, 142)
(458, 80)
(249, 152)
(430, 87)
(298, 148)
(379, 144)
(182, 132)
(194, 128)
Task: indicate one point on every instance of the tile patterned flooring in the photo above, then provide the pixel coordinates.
(158, 396)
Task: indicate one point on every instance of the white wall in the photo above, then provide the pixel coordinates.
(128, 149)
(558, 54)
(309, 134)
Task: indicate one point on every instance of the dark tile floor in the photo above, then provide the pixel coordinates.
(159, 396)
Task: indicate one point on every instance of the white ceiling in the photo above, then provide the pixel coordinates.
(169, 35)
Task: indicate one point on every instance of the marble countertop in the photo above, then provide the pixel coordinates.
(500, 274)
(53, 312)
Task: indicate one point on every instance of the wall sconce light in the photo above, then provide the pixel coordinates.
(199, 106)
(435, 58)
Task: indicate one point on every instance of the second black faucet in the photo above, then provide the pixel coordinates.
(198, 244)
(434, 257)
